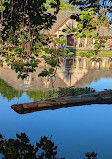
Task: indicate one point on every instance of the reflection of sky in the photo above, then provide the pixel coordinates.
(101, 84)
(75, 130)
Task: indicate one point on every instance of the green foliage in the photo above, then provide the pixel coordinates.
(21, 24)
(96, 59)
(82, 53)
(9, 92)
(42, 95)
(26, 44)
(1, 63)
(93, 15)
(88, 54)
(22, 149)
(61, 92)
(46, 72)
(96, 4)
(70, 54)
(100, 54)
(2, 8)
(75, 91)
(88, 22)
(52, 56)
(64, 5)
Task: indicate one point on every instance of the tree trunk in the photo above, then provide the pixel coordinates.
(104, 97)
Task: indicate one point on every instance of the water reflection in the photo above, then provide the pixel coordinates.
(9, 92)
(78, 72)
(22, 148)
(75, 130)
(73, 72)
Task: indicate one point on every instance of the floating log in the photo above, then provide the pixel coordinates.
(103, 97)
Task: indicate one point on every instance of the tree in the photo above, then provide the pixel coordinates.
(21, 22)
(22, 42)
(20, 25)
(22, 149)
(94, 14)
(64, 5)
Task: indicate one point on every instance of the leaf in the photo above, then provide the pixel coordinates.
(51, 70)
(70, 53)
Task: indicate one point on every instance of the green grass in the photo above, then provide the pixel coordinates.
(100, 54)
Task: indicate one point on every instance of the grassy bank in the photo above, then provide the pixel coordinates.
(100, 54)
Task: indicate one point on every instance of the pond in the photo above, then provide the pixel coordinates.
(75, 130)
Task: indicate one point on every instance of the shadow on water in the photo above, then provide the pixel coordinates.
(23, 149)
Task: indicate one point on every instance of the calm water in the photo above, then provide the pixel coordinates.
(76, 130)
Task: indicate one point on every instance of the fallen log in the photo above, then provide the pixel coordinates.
(103, 97)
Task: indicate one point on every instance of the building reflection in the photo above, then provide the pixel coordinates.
(74, 71)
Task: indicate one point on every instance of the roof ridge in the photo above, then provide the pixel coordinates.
(63, 10)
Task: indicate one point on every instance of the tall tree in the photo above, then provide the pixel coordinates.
(20, 23)
(21, 39)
